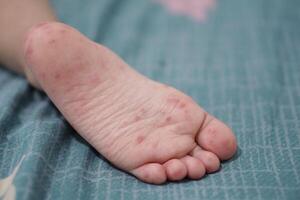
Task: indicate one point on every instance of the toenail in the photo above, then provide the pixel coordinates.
(230, 144)
(210, 160)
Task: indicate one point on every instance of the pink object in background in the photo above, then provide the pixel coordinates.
(196, 9)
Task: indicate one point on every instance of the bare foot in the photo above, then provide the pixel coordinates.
(149, 129)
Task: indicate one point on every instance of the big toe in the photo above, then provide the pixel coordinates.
(217, 137)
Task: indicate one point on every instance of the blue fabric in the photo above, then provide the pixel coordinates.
(242, 65)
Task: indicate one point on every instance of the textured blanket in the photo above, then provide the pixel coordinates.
(241, 63)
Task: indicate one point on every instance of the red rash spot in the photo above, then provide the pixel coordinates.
(57, 76)
(140, 139)
(140, 115)
(143, 111)
(168, 119)
(80, 105)
(28, 46)
(137, 118)
(211, 141)
(212, 131)
(63, 31)
(52, 41)
(175, 173)
(182, 105)
(29, 51)
(95, 80)
(43, 75)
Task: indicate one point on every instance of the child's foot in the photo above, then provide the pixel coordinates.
(146, 128)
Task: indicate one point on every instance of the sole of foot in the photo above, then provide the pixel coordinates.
(148, 129)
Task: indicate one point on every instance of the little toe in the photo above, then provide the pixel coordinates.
(175, 169)
(209, 159)
(195, 168)
(218, 138)
(151, 173)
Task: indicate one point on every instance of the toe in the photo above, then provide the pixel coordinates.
(151, 173)
(209, 159)
(216, 137)
(195, 168)
(175, 169)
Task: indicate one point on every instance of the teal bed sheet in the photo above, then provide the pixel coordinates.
(242, 65)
